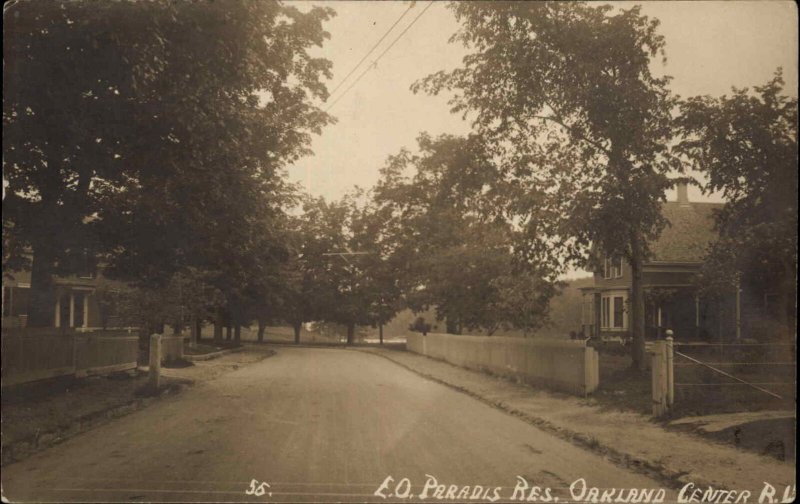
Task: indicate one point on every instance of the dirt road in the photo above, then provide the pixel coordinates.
(315, 425)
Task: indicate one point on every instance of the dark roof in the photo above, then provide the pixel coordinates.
(688, 234)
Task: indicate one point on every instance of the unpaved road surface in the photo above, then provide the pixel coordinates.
(315, 425)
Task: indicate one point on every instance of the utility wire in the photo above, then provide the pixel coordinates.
(375, 63)
(375, 46)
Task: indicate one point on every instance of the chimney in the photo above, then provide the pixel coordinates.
(683, 193)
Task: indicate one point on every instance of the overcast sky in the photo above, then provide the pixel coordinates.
(711, 46)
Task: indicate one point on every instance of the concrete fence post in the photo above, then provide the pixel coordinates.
(155, 362)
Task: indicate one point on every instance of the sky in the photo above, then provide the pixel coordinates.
(711, 46)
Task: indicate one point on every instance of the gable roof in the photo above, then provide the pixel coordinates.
(688, 234)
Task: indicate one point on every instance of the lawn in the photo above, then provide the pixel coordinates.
(48, 410)
(208, 347)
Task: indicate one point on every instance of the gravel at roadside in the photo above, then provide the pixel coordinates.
(627, 438)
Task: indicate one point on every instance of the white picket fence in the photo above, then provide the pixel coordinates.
(566, 365)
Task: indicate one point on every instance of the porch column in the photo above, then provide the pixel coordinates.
(85, 309)
(72, 309)
(596, 312)
(58, 311)
(658, 331)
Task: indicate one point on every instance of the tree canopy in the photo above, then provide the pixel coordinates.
(159, 140)
(449, 237)
(563, 95)
(746, 146)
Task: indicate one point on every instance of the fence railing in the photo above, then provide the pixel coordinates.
(766, 368)
(28, 357)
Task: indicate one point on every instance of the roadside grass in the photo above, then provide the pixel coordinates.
(40, 414)
(208, 347)
(698, 390)
(46, 411)
(622, 388)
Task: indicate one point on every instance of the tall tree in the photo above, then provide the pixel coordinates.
(746, 145)
(66, 83)
(338, 272)
(563, 94)
(166, 123)
(306, 292)
(382, 275)
(352, 281)
(449, 236)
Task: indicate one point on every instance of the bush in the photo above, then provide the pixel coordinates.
(419, 325)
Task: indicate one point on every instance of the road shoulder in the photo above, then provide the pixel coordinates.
(40, 415)
(629, 439)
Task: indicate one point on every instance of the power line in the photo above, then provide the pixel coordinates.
(375, 63)
(375, 46)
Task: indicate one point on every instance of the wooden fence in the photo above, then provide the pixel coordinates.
(565, 365)
(31, 356)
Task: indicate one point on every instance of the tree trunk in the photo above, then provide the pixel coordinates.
(193, 332)
(380, 332)
(177, 328)
(262, 326)
(228, 332)
(297, 326)
(786, 309)
(237, 333)
(199, 329)
(637, 304)
(351, 331)
(218, 326)
(451, 327)
(42, 300)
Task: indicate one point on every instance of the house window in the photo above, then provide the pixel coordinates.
(613, 311)
(619, 310)
(616, 267)
(612, 267)
(86, 266)
(15, 300)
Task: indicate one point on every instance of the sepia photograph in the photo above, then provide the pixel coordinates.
(342, 251)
